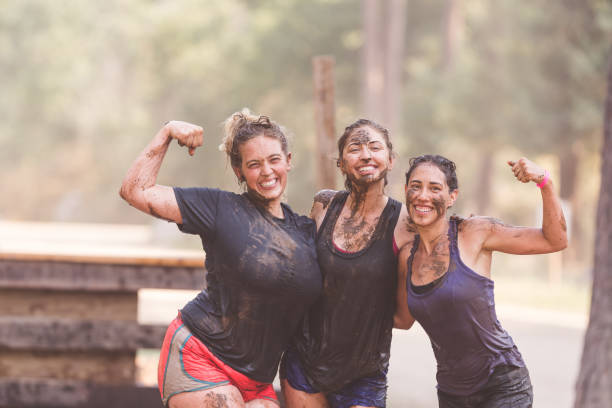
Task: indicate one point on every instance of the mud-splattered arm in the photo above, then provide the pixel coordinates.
(403, 319)
(139, 186)
(551, 237)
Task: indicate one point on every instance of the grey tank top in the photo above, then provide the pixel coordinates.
(458, 314)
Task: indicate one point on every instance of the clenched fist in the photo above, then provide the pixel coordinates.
(186, 134)
(525, 170)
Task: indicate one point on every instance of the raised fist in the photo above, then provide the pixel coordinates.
(186, 134)
(525, 170)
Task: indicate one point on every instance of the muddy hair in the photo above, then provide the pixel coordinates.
(445, 165)
(243, 126)
(348, 131)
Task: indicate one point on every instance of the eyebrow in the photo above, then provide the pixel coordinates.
(359, 142)
(420, 182)
(273, 155)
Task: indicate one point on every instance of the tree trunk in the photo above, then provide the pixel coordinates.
(325, 120)
(396, 28)
(483, 186)
(373, 81)
(594, 384)
(453, 27)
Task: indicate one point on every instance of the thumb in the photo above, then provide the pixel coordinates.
(191, 151)
(511, 163)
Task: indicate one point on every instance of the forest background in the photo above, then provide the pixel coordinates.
(85, 85)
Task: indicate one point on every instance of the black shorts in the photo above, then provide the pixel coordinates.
(507, 387)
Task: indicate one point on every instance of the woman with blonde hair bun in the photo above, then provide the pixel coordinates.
(224, 347)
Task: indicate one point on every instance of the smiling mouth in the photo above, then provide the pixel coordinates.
(366, 169)
(269, 183)
(422, 210)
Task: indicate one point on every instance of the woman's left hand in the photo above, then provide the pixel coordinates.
(525, 170)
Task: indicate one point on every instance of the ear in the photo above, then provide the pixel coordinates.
(289, 167)
(453, 198)
(340, 164)
(238, 174)
(391, 161)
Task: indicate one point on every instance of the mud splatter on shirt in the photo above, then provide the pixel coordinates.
(262, 275)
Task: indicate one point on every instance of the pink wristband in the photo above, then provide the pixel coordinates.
(544, 180)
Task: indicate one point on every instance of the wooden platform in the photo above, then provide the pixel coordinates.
(68, 321)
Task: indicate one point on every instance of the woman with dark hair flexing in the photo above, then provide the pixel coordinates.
(224, 348)
(447, 284)
(340, 356)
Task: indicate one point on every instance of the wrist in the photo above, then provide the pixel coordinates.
(544, 180)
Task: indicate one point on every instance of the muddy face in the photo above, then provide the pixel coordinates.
(365, 158)
(427, 195)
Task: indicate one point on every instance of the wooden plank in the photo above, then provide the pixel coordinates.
(152, 257)
(42, 333)
(325, 120)
(30, 393)
(96, 277)
(69, 304)
(117, 367)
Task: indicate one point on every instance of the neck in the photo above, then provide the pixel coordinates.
(430, 234)
(364, 199)
(275, 209)
(271, 206)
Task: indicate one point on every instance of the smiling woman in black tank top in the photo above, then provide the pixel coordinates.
(446, 284)
(340, 356)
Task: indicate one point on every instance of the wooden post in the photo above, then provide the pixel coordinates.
(325, 116)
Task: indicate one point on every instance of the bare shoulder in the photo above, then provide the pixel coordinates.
(481, 228)
(405, 230)
(478, 223)
(320, 203)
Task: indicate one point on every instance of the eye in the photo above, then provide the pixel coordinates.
(253, 165)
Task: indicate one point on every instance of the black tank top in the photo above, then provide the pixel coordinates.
(347, 333)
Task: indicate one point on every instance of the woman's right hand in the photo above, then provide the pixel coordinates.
(186, 134)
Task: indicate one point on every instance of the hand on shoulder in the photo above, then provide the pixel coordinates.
(321, 201)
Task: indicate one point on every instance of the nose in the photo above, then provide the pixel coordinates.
(365, 153)
(266, 168)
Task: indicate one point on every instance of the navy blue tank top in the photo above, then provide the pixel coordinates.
(458, 314)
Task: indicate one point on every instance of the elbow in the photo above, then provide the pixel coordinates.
(559, 244)
(125, 192)
(563, 243)
(402, 324)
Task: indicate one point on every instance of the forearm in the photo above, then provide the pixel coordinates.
(143, 172)
(554, 227)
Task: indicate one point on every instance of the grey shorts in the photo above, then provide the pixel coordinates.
(508, 387)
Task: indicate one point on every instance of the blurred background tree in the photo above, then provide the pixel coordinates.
(86, 84)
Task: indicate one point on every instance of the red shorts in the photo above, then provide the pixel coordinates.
(186, 364)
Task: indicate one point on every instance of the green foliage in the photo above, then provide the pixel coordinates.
(87, 84)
